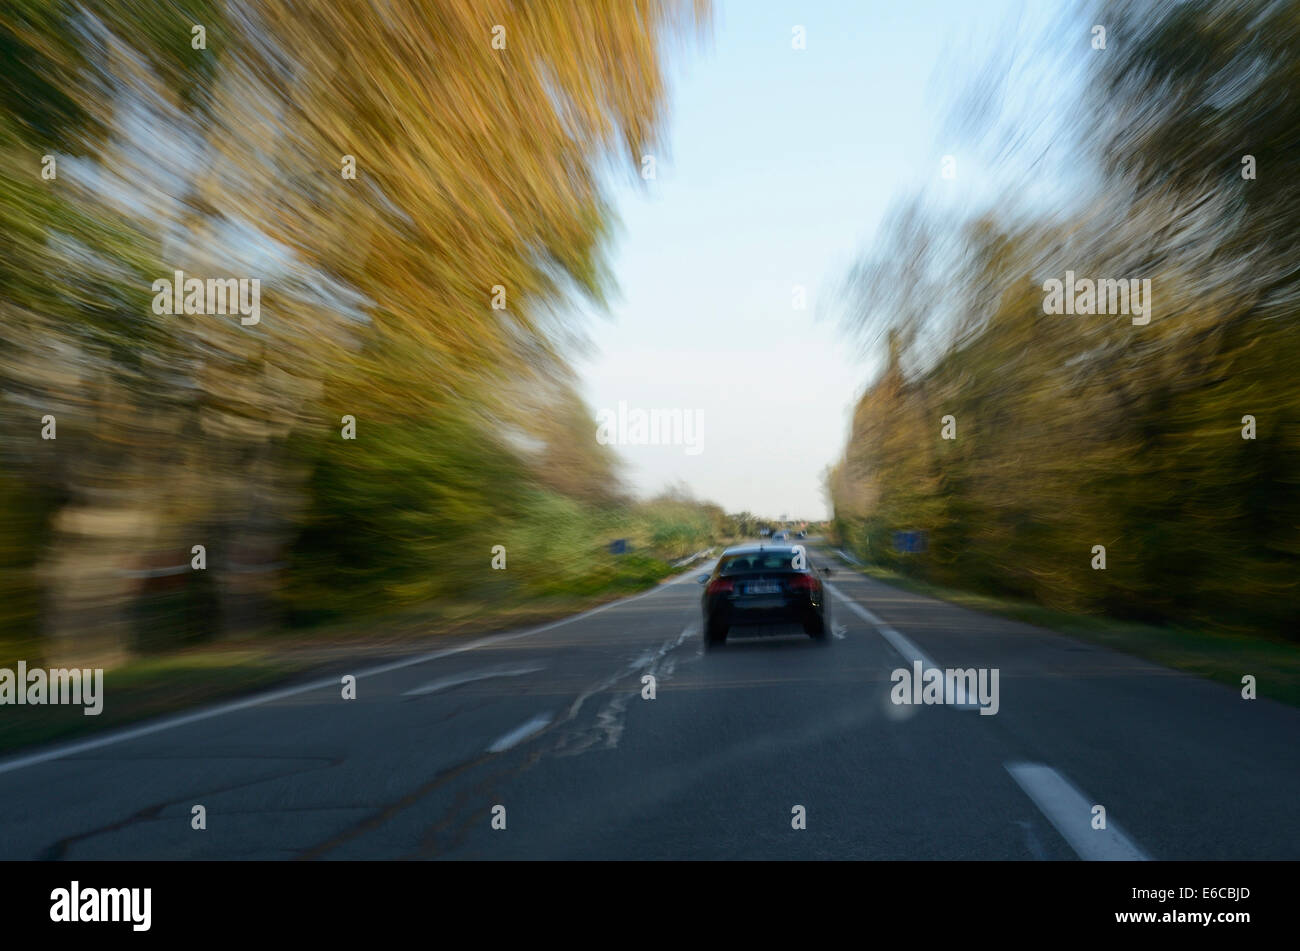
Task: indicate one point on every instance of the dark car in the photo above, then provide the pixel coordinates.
(764, 585)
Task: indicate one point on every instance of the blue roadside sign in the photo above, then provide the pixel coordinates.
(910, 542)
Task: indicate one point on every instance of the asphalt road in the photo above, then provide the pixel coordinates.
(551, 725)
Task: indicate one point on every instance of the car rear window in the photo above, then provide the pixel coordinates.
(772, 559)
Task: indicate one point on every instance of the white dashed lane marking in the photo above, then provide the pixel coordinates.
(1070, 811)
(521, 733)
(446, 683)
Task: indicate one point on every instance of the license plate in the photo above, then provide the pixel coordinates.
(763, 587)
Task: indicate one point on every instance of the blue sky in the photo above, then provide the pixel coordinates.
(780, 166)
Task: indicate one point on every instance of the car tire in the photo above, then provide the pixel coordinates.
(817, 629)
(715, 635)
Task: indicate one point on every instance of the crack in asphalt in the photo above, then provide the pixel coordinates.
(465, 810)
(58, 849)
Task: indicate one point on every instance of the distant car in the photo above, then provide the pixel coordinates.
(764, 585)
(781, 537)
(802, 533)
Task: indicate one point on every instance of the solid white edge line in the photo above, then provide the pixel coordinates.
(170, 723)
(1070, 812)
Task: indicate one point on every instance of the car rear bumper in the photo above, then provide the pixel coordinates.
(742, 611)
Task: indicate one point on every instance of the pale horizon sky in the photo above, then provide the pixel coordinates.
(781, 164)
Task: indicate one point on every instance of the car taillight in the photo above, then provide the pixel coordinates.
(803, 583)
(721, 586)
